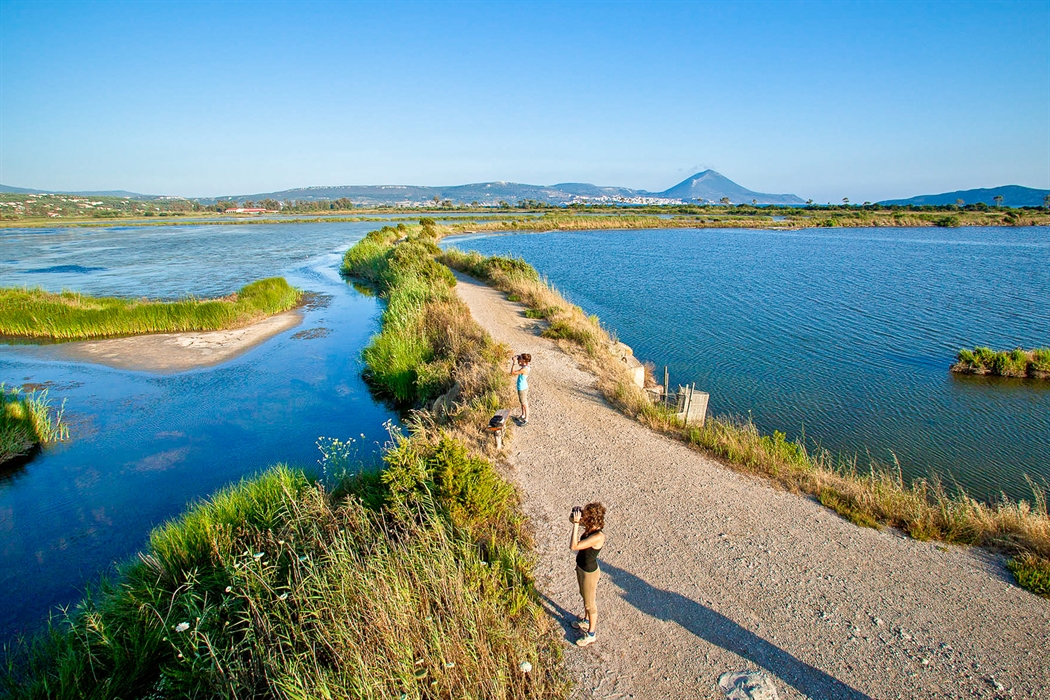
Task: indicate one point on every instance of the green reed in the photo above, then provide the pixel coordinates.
(35, 313)
(410, 582)
(278, 588)
(1034, 364)
(26, 421)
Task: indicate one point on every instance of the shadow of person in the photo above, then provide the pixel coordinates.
(562, 616)
(719, 630)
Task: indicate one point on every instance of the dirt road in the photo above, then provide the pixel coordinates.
(708, 571)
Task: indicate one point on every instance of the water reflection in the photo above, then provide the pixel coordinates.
(144, 445)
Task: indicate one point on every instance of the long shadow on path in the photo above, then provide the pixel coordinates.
(719, 630)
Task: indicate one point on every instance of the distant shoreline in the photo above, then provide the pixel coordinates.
(561, 218)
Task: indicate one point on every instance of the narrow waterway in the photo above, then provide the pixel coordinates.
(144, 445)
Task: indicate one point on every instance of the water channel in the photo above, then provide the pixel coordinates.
(144, 445)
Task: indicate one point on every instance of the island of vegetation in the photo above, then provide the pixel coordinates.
(1033, 364)
(27, 421)
(35, 313)
(416, 581)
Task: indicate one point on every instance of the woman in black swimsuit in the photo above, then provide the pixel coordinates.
(587, 540)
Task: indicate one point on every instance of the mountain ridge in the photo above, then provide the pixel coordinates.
(1013, 196)
(708, 186)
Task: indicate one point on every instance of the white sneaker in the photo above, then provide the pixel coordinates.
(585, 640)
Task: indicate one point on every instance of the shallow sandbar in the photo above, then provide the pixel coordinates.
(178, 352)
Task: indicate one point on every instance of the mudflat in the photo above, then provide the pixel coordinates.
(178, 352)
(708, 571)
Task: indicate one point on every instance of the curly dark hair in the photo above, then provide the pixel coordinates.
(593, 517)
(526, 357)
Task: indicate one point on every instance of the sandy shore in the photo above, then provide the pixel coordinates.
(708, 571)
(178, 352)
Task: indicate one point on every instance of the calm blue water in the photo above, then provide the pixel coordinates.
(145, 445)
(843, 335)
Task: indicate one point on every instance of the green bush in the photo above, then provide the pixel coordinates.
(1032, 573)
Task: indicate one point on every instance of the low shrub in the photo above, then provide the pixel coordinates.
(1032, 572)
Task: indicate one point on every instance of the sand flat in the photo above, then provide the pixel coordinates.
(178, 352)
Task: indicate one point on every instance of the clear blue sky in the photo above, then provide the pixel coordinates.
(866, 100)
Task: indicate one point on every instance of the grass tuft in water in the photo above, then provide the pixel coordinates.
(26, 421)
(1034, 364)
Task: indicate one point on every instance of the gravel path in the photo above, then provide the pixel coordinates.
(708, 571)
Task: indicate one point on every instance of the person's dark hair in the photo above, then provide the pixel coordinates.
(593, 517)
(525, 357)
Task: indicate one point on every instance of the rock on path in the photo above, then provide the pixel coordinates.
(707, 571)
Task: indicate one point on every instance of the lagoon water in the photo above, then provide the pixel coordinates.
(144, 445)
(842, 336)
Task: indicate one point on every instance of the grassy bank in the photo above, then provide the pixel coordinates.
(278, 588)
(35, 313)
(413, 582)
(1034, 364)
(874, 497)
(27, 421)
(765, 217)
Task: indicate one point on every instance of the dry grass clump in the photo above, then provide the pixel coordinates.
(879, 497)
(35, 313)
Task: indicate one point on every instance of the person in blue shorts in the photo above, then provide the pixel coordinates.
(520, 368)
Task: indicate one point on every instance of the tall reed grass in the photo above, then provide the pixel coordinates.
(26, 421)
(877, 496)
(430, 353)
(277, 588)
(35, 313)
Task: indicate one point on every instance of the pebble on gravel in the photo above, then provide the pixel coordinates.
(747, 685)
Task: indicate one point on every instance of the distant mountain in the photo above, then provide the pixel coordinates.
(4, 189)
(1013, 196)
(711, 186)
(708, 186)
